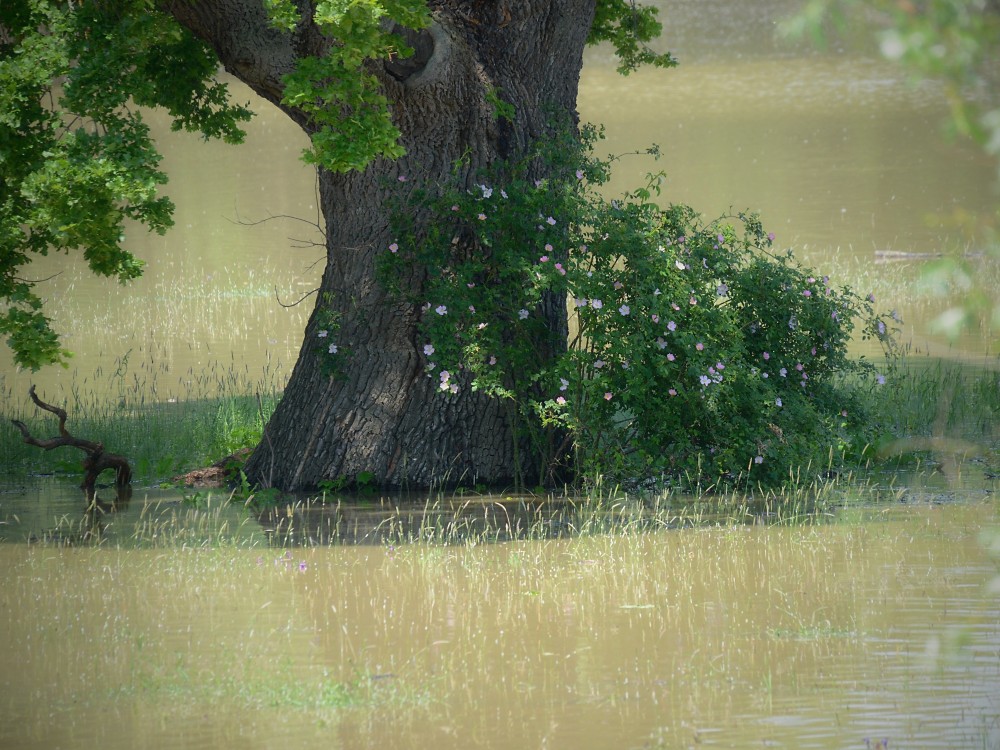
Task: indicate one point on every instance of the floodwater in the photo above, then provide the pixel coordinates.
(882, 624)
(164, 623)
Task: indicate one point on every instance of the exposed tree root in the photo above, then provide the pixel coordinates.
(219, 474)
(97, 459)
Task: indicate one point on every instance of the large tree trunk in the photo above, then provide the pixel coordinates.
(382, 414)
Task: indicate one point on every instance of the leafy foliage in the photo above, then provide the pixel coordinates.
(76, 160)
(954, 41)
(628, 27)
(341, 98)
(696, 350)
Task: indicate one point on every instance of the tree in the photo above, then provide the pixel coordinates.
(396, 96)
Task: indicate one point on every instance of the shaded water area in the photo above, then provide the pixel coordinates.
(874, 623)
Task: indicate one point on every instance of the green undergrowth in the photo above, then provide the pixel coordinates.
(936, 409)
(929, 411)
(160, 438)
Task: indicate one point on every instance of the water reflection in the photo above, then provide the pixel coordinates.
(814, 637)
(54, 510)
(448, 520)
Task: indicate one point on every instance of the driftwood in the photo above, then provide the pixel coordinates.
(218, 474)
(95, 462)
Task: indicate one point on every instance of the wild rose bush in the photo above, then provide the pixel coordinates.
(695, 351)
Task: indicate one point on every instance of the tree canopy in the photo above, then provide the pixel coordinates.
(77, 161)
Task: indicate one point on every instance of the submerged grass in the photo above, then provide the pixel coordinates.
(431, 644)
(259, 687)
(937, 418)
(215, 412)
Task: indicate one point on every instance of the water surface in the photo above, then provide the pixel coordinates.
(879, 625)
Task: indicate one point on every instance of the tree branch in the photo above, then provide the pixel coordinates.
(95, 462)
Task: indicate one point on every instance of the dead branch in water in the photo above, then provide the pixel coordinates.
(95, 462)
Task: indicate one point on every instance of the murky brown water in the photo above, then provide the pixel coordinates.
(877, 626)
(841, 154)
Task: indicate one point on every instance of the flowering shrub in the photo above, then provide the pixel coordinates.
(694, 350)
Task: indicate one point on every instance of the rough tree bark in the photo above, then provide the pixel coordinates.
(384, 415)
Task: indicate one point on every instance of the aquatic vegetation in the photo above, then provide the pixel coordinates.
(642, 636)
